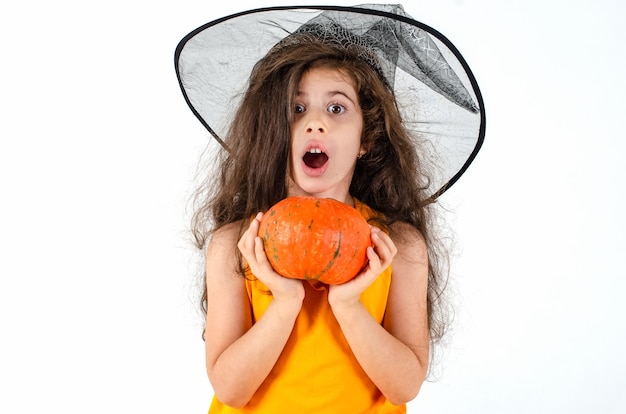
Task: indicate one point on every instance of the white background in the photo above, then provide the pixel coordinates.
(97, 159)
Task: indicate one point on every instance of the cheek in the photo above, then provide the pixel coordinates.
(292, 162)
(359, 139)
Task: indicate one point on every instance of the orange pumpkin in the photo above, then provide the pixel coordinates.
(315, 239)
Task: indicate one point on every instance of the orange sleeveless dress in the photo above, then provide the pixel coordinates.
(317, 373)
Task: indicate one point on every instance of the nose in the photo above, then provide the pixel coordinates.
(314, 123)
(311, 129)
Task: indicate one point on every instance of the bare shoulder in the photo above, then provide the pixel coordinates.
(406, 316)
(227, 235)
(410, 265)
(410, 243)
(227, 311)
(224, 240)
(221, 252)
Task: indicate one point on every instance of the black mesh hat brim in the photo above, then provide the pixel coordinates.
(437, 94)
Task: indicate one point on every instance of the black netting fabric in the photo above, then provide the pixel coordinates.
(436, 92)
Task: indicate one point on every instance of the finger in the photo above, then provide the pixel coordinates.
(380, 245)
(367, 275)
(372, 256)
(254, 224)
(384, 246)
(246, 243)
(259, 251)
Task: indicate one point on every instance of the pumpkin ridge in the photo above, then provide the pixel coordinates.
(331, 261)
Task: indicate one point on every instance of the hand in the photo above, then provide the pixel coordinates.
(251, 247)
(380, 257)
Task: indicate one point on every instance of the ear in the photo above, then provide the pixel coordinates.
(361, 153)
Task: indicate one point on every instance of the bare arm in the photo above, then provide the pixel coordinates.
(239, 355)
(394, 356)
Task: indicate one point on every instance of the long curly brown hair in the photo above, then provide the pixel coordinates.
(252, 170)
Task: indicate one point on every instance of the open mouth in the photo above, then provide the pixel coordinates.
(315, 158)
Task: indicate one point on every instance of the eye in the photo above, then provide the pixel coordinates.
(298, 109)
(336, 109)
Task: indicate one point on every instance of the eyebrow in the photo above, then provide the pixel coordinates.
(331, 93)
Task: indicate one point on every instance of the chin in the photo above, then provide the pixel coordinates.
(317, 188)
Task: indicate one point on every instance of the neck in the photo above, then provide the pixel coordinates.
(294, 190)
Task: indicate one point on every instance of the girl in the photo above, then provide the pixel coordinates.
(319, 117)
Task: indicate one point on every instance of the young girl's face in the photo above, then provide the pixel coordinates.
(325, 135)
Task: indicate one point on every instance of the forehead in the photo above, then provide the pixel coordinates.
(317, 77)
